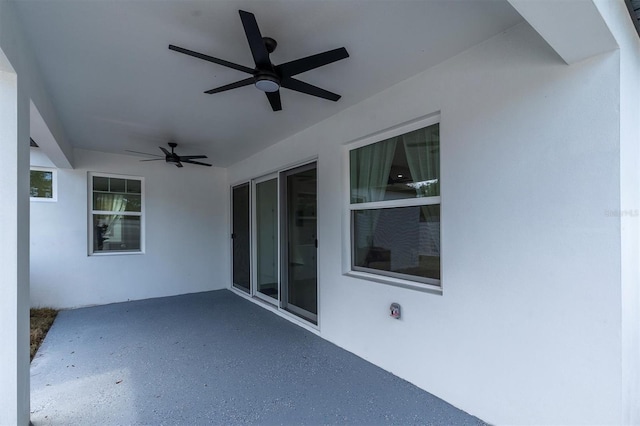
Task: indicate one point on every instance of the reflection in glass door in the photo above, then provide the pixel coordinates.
(266, 239)
(240, 237)
(300, 295)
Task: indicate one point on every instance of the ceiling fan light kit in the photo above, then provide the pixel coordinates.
(266, 76)
(267, 83)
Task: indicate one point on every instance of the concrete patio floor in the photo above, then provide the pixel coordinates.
(212, 358)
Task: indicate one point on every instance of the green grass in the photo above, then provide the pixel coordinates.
(41, 322)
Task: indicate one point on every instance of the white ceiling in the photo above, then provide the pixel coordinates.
(118, 87)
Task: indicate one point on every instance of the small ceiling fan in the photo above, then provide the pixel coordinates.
(172, 157)
(266, 76)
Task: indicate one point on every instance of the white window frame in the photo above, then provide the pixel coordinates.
(54, 184)
(400, 280)
(93, 212)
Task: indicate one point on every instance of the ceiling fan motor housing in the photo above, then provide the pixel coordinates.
(172, 157)
(270, 44)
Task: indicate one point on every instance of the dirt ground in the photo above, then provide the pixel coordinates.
(41, 322)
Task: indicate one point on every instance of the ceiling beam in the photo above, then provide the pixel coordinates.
(39, 131)
(575, 29)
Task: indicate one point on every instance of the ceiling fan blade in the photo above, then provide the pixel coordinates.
(256, 43)
(145, 153)
(274, 100)
(191, 157)
(212, 59)
(289, 69)
(241, 83)
(155, 159)
(302, 87)
(197, 162)
(166, 153)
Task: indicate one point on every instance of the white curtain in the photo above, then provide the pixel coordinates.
(423, 156)
(112, 203)
(370, 167)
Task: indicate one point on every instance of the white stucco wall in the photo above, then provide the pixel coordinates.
(186, 213)
(617, 17)
(528, 327)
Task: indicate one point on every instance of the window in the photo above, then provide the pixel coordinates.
(395, 206)
(116, 218)
(43, 184)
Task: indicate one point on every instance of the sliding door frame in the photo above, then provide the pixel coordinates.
(254, 239)
(284, 248)
(231, 239)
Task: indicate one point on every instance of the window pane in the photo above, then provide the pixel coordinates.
(100, 183)
(116, 233)
(301, 235)
(405, 166)
(117, 202)
(267, 237)
(41, 184)
(134, 186)
(403, 240)
(134, 203)
(116, 185)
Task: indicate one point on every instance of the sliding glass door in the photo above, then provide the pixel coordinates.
(299, 233)
(266, 269)
(274, 240)
(240, 238)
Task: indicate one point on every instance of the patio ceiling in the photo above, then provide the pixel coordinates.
(116, 85)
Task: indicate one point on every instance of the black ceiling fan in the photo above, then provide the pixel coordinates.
(172, 157)
(269, 77)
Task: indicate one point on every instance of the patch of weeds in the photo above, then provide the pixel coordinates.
(41, 322)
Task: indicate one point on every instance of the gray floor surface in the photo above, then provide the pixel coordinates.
(212, 358)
